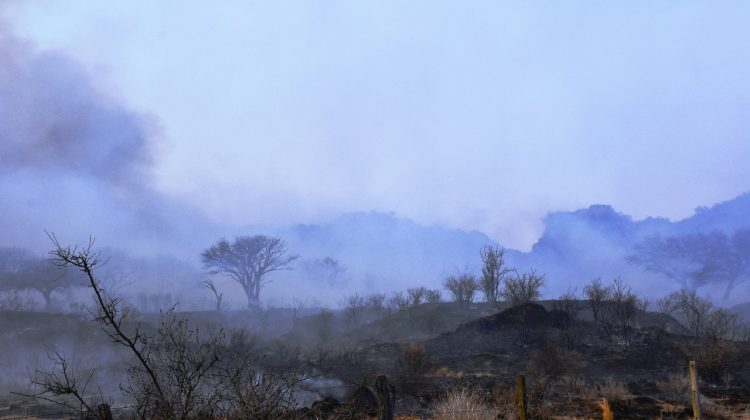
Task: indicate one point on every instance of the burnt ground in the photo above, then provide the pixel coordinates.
(570, 362)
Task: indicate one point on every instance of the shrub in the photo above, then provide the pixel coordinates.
(463, 404)
(413, 360)
(523, 288)
(462, 287)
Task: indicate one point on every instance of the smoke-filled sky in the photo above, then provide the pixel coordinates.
(477, 115)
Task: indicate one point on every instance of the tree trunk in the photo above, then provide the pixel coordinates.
(252, 298)
(47, 294)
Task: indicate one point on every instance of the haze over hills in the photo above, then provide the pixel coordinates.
(383, 252)
(378, 252)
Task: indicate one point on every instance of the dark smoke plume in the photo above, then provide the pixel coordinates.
(52, 118)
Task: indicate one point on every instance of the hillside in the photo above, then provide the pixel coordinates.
(383, 252)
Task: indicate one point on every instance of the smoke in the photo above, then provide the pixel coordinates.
(52, 118)
(73, 159)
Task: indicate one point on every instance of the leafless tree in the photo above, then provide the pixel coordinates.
(354, 309)
(462, 287)
(568, 303)
(522, 288)
(624, 306)
(218, 297)
(248, 260)
(597, 294)
(398, 302)
(64, 385)
(432, 296)
(689, 308)
(493, 272)
(177, 373)
(416, 295)
(376, 304)
(412, 360)
(723, 324)
(299, 307)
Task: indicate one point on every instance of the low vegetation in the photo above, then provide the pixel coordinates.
(410, 353)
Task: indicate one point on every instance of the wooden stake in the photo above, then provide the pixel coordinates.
(521, 396)
(606, 410)
(694, 394)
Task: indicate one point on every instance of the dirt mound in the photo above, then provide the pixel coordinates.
(530, 315)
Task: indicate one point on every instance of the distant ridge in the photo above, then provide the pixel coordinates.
(575, 247)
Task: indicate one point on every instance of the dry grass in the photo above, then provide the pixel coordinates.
(675, 387)
(613, 390)
(465, 404)
(445, 372)
(710, 408)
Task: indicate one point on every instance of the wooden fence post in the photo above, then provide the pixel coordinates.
(695, 398)
(606, 410)
(521, 396)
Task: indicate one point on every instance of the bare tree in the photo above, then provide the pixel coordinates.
(110, 314)
(568, 303)
(64, 386)
(462, 287)
(689, 308)
(597, 294)
(493, 272)
(354, 309)
(218, 297)
(624, 306)
(177, 373)
(248, 260)
(416, 295)
(725, 325)
(376, 303)
(432, 296)
(522, 288)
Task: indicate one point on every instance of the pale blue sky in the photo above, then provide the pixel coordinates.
(476, 115)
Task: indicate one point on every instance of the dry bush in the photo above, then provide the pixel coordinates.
(688, 308)
(554, 361)
(523, 288)
(376, 304)
(464, 404)
(612, 390)
(412, 360)
(597, 294)
(504, 399)
(433, 296)
(568, 304)
(716, 358)
(572, 384)
(675, 387)
(711, 409)
(445, 372)
(173, 372)
(462, 287)
(354, 309)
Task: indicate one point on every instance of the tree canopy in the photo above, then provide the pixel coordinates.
(248, 260)
(22, 270)
(698, 259)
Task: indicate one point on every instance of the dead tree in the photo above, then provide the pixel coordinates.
(493, 272)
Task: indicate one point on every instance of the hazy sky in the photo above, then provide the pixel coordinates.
(476, 115)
